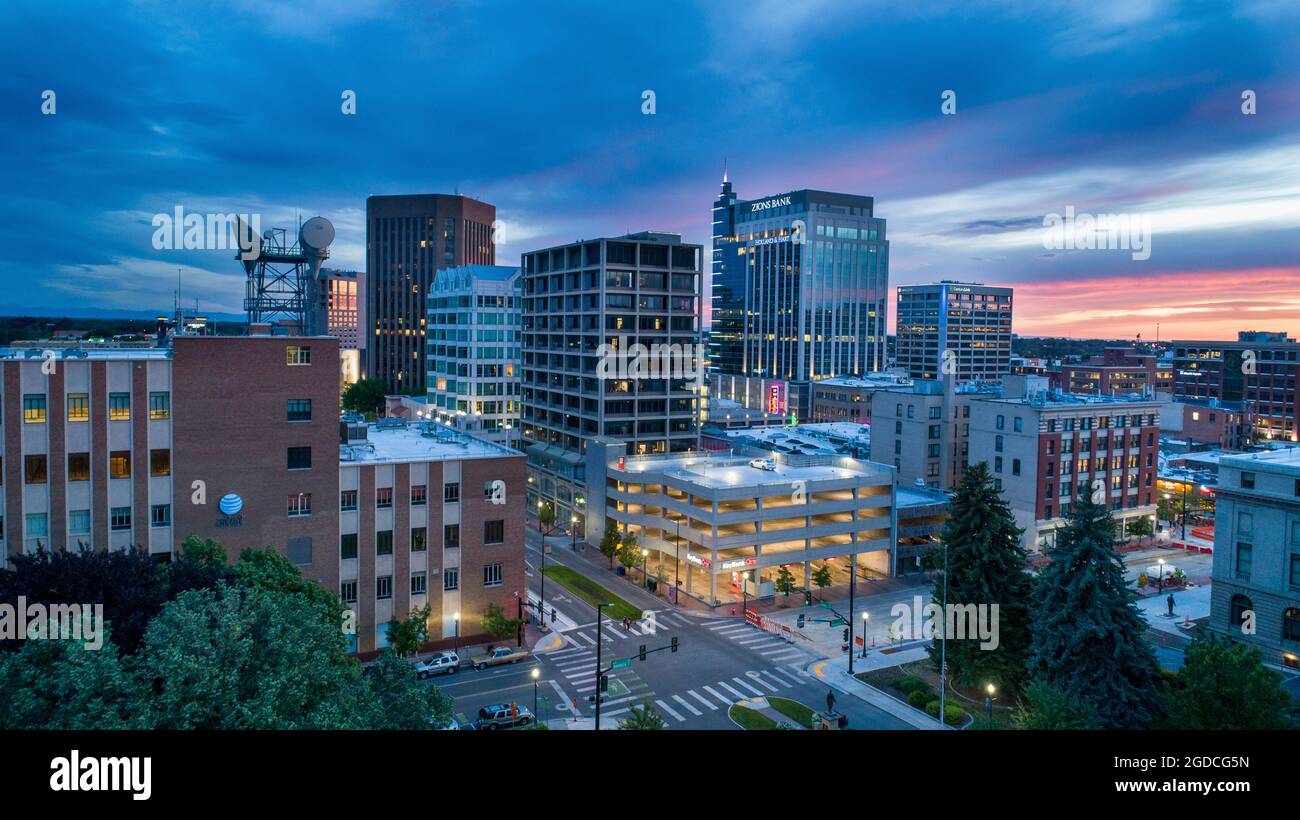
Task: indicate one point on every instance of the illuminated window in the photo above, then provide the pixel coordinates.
(297, 355)
(119, 464)
(160, 406)
(119, 406)
(34, 409)
(78, 407)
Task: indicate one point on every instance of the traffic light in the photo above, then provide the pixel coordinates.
(800, 622)
(807, 598)
(604, 683)
(674, 649)
(845, 634)
(642, 656)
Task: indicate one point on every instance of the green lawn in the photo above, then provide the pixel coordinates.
(749, 719)
(793, 709)
(592, 592)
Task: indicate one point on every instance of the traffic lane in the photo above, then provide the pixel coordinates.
(471, 690)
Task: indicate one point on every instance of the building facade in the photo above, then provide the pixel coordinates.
(474, 350)
(1259, 369)
(961, 329)
(923, 429)
(848, 398)
(800, 281)
(408, 239)
(592, 312)
(1256, 590)
(1118, 371)
(341, 314)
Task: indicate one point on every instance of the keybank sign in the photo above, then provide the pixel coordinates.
(765, 204)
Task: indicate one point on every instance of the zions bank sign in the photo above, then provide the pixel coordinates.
(767, 204)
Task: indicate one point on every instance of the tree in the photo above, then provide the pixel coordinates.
(204, 551)
(1224, 685)
(609, 542)
(401, 700)
(822, 578)
(629, 554)
(784, 580)
(365, 396)
(64, 685)
(986, 568)
(269, 570)
(1141, 527)
(496, 624)
(1087, 635)
(1047, 708)
(642, 718)
(546, 516)
(408, 635)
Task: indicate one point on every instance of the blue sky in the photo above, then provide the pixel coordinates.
(1128, 107)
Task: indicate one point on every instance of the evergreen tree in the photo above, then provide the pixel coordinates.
(1224, 685)
(1048, 708)
(1087, 631)
(986, 567)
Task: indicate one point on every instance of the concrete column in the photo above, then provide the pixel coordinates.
(713, 587)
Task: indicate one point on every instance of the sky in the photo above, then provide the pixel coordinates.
(234, 106)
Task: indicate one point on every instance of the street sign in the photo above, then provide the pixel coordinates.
(622, 663)
(826, 604)
(839, 622)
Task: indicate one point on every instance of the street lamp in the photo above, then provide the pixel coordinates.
(645, 561)
(988, 701)
(574, 521)
(677, 563)
(866, 616)
(455, 617)
(1161, 581)
(537, 673)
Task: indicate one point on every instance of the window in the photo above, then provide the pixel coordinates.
(348, 546)
(419, 583)
(299, 458)
(1245, 556)
(119, 406)
(492, 574)
(297, 355)
(1001, 423)
(299, 505)
(384, 587)
(1018, 424)
(383, 497)
(451, 579)
(1047, 512)
(419, 494)
(348, 500)
(451, 492)
(119, 464)
(34, 469)
(348, 591)
(384, 542)
(160, 462)
(79, 522)
(419, 539)
(299, 550)
(1247, 480)
(1237, 609)
(997, 464)
(160, 515)
(1291, 624)
(451, 536)
(119, 518)
(78, 466)
(38, 525)
(494, 532)
(78, 407)
(34, 408)
(298, 410)
(1015, 466)
(160, 406)
(997, 444)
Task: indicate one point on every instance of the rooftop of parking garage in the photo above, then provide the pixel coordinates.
(730, 473)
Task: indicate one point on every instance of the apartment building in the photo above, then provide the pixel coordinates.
(1259, 369)
(1256, 590)
(923, 429)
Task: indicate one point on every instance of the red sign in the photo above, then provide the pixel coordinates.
(776, 399)
(621, 462)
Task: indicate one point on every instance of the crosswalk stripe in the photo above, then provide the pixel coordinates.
(733, 690)
(573, 674)
(576, 660)
(793, 678)
(777, 651)
(782, 683)
(754, 640)
(714, 692)
(757, 679)
(587, 638)
(605, 714)
(701, 699)
(670, 710)
(757, 692)
(687, 706)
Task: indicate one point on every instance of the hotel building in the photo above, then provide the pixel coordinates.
(238, 439)
(580, 303)
(800, 281)
(968, 322)
(408, 239)
(1260, 369)
(474, 350)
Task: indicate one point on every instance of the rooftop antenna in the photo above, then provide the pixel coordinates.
(724, 169)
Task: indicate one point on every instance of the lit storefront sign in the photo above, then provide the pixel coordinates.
(736, 563)
(698, 561)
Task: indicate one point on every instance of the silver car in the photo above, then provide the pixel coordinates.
(441, 663)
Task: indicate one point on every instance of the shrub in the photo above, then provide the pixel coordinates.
(919, 698)
(910, 683)
(952, 713)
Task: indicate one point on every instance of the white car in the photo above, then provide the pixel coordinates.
(763, 464)
(441, 663)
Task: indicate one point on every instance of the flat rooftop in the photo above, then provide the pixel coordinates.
(1280, 461)
(1065, 400)
(865, 380)
(729, 473)
(418, 442)
(72, 354)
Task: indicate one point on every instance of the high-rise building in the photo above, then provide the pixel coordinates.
(800, 281)
(473, 350)
(408, 239)
(961, 329)
(1260, 369)
(1255, 597)
(340, 313)
(594, 312)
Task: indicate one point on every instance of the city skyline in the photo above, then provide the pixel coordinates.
(1130, 109)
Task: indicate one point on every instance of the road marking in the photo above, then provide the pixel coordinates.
(574, 661)
(670, 710)
(777, 654)
(783, 684)
(624, 710)
(571, 674)
(701, 699)
(725, 701)
(754, 677)
(555, 643)
(687, 706)
(793, 679)
(819, 669)
(754, 640)
(732, 690)
(587, 638)
(756, 691)
(565, 702)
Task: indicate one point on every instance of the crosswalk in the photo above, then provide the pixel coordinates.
(701, 701)
(612, 632)
(768, 646)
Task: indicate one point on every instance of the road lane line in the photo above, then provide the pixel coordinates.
(687, 706)
(712, 691)
(702, 699)
(670, 710)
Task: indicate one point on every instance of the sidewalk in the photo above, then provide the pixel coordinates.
(1189, 604)
(837, 676)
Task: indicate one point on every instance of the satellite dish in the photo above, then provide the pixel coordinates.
(316, 234)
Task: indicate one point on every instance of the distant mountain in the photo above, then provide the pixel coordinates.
(110, 313)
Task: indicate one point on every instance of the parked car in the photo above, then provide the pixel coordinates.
(455, 725)
(504, 716)
(497, 655)
(763, 464)
(442, 663)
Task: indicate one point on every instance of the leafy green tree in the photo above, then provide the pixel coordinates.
(609, 542)
(642, 718)
(63, 685)
(365, 396)
(269, 570)
(204, 551)
(822, 578)
(1087, 630)
(986, 568)
(1224, 685)
(1046, 708)
(408, 635)
(1141, 527)
(629, 552)
(546, 516)
(784, 580)
(401, 700)
(496, 624)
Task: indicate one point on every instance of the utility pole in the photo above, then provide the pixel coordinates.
(943, 645)
(853, 579)
(600, 672)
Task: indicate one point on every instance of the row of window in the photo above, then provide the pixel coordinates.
(36, 467)
(78, 407)
(493, 575)
(1240, 605)
(419, 495)
(494, 532)
(119, 518)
